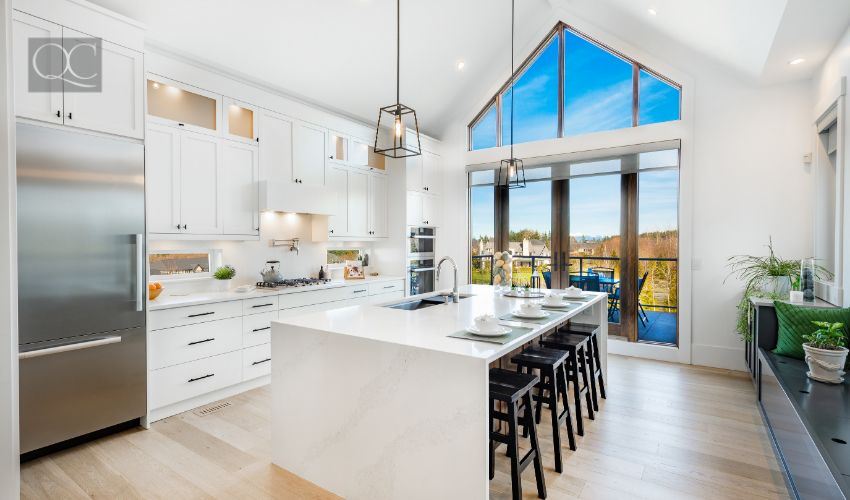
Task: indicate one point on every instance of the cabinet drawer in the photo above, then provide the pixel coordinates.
(259, 304)
(299, 299)
(188, 343)
(179, 316)
(256, 361)
(386, 287)
(256, 329)
(177, 383)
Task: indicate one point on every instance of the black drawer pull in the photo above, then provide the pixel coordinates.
(261, 361)
(201, 314)
(201, 341)
(359, 291)
(390, 286)
(261, 329)
(201, 378)
(262, 305)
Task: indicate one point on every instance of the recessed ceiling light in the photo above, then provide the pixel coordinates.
(652, 11)
(461, 65)
(794, 62)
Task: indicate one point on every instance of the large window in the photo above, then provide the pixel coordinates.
(482, 233)
(530, 230)
(591, 90)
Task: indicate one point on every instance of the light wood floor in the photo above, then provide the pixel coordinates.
(666, 432)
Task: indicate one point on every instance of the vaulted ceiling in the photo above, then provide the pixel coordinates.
(341, 53)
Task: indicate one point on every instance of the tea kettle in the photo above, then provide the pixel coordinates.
(271, 273)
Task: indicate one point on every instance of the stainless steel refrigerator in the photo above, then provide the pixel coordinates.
(82, 285)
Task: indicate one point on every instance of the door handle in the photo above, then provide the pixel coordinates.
(201, 341)
(261, 361)
(201, 314)
(261, 329)
(140, 274)
(68, 347)
(262, 305)
(202, 377)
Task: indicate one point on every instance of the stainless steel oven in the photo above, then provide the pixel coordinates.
(420, 260)
(421, 275)
(420, 242)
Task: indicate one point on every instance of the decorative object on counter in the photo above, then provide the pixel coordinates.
(796, 296)
(365, 259)
(321, 272)
(502, 271)
(271, 273)
(337, 273)
(807, 279)
(154, 289)
(825, 352)
(223, 276)
(795, 322)
(354, 270)
(397, 146)
(769, 276)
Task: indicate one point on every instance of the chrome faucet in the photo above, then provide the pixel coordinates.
(455, 294)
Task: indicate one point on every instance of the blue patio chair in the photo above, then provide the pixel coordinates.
(547, 278)
(590, 283)
(614, 302)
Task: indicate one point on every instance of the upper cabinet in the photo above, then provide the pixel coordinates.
(116, 108)
(175, 104)
(308, 153)
(360, 209)
(338, 147)
(353, 152)
(424, 173)
(240, 121)
(240, 188)
(276, 147)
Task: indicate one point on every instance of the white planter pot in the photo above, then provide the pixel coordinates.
(221, 285)
(779, 285)
(825, 365)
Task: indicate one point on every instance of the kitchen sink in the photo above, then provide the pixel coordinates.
(416, 304)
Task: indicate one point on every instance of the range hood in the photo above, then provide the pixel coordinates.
(296, 198)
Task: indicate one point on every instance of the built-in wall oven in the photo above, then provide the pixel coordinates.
(420, 260)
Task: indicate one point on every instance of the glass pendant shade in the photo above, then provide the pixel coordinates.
(511, 174)
(396, 118)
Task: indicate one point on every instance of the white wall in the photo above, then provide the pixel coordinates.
(747, 176)
(9, 450)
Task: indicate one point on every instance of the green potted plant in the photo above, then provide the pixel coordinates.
(826, 352)
(223, 276)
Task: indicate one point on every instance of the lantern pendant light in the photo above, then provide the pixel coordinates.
(511, 171)
(398, 115)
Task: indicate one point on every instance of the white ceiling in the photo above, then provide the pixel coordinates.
(341, 53)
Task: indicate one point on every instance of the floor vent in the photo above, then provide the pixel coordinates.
(206, 410)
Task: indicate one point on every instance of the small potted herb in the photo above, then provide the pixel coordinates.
(223, 276)
(826, 352)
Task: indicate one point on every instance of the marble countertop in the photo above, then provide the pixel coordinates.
(168, 301)
(429, 328)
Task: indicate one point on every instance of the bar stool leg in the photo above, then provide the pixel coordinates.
(513, 448)
(582, 367)
(538, 460)
(564, 387)
(573, 378)
(601, 380)
(556, 426)
(591, 370)
(492, 448)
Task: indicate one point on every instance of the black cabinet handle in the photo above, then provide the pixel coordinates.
(180, 125)
(58, 114)
(390, 286)
(201, 341)
(261, 329)
(178, 227)
(359, 291)
(261, 361)
(262, 305)
(201, 378)
(332, 231)
(70, 115)
(201, 314)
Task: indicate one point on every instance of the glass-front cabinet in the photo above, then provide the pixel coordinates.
(240, 120)
(173, 103)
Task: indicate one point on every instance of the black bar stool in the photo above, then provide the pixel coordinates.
(594, 364)
(576, 346)
(552, 385)
(513, 389)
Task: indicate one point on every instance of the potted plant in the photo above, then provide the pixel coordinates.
(223, 275)
(825, 352)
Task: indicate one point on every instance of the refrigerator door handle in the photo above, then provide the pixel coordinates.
(140, 275)
(69, 347)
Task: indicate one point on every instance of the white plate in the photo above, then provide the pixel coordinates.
(520, 314)
(568, 297)
(560, 305)
(502, 330)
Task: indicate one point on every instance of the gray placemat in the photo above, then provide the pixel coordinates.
(576, 299)
(516, 331)
(552, 315)
(559, 309)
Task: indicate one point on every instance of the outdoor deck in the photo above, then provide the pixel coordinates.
(660, 328)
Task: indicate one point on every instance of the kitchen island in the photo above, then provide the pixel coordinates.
(372, 402)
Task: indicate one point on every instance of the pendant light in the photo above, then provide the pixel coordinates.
(511, 171)
(399, 115)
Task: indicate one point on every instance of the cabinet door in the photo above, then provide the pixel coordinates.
(309, 154)
(378, 205)
(200, 186)
(414, 209)
(431, 173)
(118, 108)
(358, 203)
(338, 145)
(275, 148)
(413, 170)
(240, 121)
(45, 106)
(430, 210)
(358, 152)
(337, 183)
(162, 179)
(240, 206)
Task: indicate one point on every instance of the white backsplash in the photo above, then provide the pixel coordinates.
(249, 257)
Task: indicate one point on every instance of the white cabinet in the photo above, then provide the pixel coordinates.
(337, 183)
(44, 106)
(414, 209)
(413, 171)
(275, 148)
(430, 210)
(240, 188)
(424, 173)
(378, 205)
(200, 184)
(240, 121)
(422, 209)
(359, 153)
(116, 109)
(162, 179)
(309, 154)
(358, 203)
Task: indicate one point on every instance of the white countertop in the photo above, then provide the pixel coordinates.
(168, 301)
(429, 328)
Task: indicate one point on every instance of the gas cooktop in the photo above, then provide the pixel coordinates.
(291, 283)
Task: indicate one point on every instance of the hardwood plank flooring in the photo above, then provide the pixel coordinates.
(666, 431)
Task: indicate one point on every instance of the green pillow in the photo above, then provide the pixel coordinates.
(796, 321)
